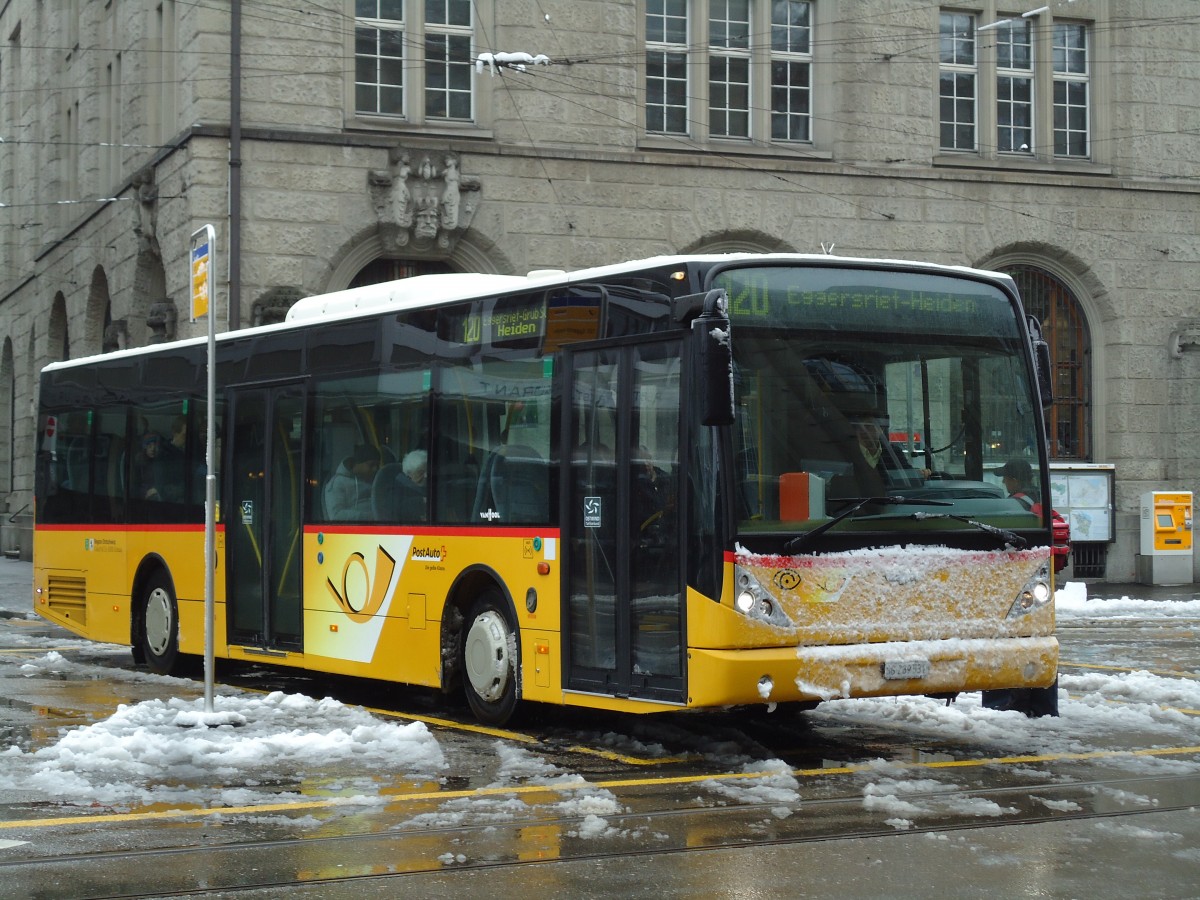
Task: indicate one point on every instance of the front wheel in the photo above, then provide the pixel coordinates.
(489, 660)
(160, 625)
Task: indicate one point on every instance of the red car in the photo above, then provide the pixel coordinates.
(1061, 548)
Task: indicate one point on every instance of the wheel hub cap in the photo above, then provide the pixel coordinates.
(158, 622)
(487, 656)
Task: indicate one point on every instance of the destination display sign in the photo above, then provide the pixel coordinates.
(865, 300)
(510, 322)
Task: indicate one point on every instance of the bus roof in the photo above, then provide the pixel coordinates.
(422, 291)
(431, 290)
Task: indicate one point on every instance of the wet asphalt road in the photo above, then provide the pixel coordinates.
(682, 816)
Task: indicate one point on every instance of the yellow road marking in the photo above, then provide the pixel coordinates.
(611, 755)
(30, 651)
(617, 783)
(1179, 709)
(1171, 673)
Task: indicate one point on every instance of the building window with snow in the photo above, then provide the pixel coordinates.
(413, 60)
(1014, 87)
(757, 60)
(1025, 79)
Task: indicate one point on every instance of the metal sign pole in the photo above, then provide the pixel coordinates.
(203, 266)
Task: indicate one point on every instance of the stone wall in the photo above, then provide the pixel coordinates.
(563, 177)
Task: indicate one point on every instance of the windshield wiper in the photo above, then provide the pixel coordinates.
(1002, 534)
(857, 503)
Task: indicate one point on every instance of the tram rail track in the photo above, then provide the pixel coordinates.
(362, 857)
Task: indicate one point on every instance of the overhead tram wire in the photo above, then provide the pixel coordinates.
(925, 184)
(529, 135)
(681, 139)
(691, 145)
(340, 21)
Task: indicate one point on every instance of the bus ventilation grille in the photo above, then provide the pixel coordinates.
(68, 597)
(1088, 560)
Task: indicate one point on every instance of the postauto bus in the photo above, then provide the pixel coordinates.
(645, 487)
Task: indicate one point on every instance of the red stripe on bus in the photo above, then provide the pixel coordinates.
(444, 531)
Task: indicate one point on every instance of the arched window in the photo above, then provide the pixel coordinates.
(1052, 302)
(380, 270)
(60, 341)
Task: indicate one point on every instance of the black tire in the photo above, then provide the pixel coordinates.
(159, 625)
(489, 654)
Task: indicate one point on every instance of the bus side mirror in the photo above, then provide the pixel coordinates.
(714, 347)
(1041, 355)
(1041, 360)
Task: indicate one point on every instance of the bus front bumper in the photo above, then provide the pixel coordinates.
(790, 674)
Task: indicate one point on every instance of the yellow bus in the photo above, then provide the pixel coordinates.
(653, 486)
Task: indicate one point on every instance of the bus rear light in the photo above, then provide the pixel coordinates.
(543, 568)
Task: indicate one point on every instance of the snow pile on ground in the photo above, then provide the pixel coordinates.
(244, 751)
(256, 750)
(1072, 602)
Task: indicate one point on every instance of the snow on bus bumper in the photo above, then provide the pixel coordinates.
(780, 675)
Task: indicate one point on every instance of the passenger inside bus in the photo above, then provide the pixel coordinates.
(171, 475)
(146, 470)
(398, 493)
(348, 491)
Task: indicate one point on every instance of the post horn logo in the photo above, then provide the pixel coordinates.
(361, 608)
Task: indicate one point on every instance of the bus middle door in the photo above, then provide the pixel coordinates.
(263, 518)
(624, 585)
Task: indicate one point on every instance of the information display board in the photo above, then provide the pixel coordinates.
(1083, 494)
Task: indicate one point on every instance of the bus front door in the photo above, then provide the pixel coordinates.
(263, 516)
(624, 580)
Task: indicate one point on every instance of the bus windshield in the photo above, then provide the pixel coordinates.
(906, 387)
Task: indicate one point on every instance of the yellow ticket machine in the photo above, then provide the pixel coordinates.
(1166, 538)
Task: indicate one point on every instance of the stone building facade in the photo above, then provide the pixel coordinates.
(337, 142)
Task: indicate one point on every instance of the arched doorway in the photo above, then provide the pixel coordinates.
(1056, 307)
(380, 270)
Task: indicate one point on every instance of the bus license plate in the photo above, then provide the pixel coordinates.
(901, 669)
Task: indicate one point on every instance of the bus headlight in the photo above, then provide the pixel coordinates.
(1034, 595)
(755, 601)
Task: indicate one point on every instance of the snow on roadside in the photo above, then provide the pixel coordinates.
(1071, 601)
(1095, 708)
(256, 747)
(173, 751)
(508, 798)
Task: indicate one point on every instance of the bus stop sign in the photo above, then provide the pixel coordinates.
(202, 268)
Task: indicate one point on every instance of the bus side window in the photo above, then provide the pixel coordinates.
(514, 486)
(63, 469)
(109, 502)
(457, 455)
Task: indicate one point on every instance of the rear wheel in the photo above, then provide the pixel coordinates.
(489, 659)
(160, 625)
